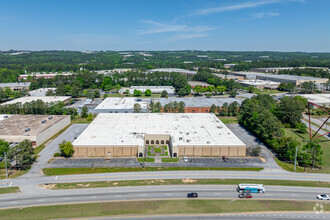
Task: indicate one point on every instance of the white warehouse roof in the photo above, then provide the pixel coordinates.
(46, 99)
(120, 103)
(186, 129)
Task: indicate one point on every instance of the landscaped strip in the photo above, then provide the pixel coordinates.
(165, 160)
(87, 170)
(148, 159)
(151, 182)
(13, 189)
(156, 207)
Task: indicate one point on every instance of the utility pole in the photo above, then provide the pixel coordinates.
(295, 160)
(6, 164)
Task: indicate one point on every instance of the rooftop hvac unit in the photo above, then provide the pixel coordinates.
(43, 121)
(188, 140)
(27, 129)
(50, 117)
(6, 116)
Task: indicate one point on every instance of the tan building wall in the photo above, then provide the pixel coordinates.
(156, 139)
(105, 151)
(214, 151)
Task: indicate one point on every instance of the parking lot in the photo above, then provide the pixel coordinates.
(132, 162)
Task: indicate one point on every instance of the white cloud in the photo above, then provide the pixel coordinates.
(266, 14)
(235, 7)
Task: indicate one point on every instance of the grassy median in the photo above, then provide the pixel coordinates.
(13, 189)
(156, 207)
(87, 170)
(98, 184)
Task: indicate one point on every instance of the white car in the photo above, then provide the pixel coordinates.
(323, 197)
(185, 159)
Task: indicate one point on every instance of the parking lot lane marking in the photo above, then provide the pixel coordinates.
(68, 198)
(10, 184)
(117, 195)
(56, 177)
(168, 194)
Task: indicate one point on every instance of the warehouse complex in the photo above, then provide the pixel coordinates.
(36, 128)
(124, 135)
(46, 99)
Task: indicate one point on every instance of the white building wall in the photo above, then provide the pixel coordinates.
(51, 131)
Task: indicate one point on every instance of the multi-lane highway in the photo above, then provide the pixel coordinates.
(41, 196)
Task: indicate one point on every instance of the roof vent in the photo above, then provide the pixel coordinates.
(208, 142)
(43, 121)
(27, 129)
(6, 116)
(180, 138)
(51, 117)
(188, 140)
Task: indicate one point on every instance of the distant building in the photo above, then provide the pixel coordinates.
(110, 72)
(41, 91)
(320, 99)
(46, 99)
(260, 84)
(16, 86)
(277, 69)
(36, 128)
(229, 65)
(223, 76)
(154, 89)
(193, 84)
(119, 105)
(171, 70)
(45, 75)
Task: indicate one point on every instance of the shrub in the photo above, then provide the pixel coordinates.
(57, 155)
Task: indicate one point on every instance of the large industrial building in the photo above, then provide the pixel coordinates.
(260, 84)
(125, 135)
(46, 99)
(172, 70)
(320, 99)
(119, 105)
(36, 128)
(41, 91)
(16, 86)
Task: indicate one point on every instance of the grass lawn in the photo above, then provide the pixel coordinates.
(170, 160)
(156, 207)
(165, 154)
(158, 150)
(149, 147)
(165, 147)
(267, 91)
(80, 185)
(229, 120)
(150, 154)
(146, 159)
(13, 189)
(86, 170)
(12, 173)
(303, 139)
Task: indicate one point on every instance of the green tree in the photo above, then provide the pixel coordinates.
(233, 108)
(250, 89)
(137, 108)
(4, 147)
(147, 92)
(164, 94)
(23, 154)
(60, 90)
(233, 93)
(302, 128)
(290, 111)
(182, 106)
(66, 149)
(75, 91)
(96, 93)
(50, 92)
(221, 89)
(198, 89)
(308, 87)
(84, 112)
(105, 95)
(315, 149)
(137, 93)
(213, 108)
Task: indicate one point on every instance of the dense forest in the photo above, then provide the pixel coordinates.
(51, 61)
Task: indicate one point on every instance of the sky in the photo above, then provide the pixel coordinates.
(227, 25)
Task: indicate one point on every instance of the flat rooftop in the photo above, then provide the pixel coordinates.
(12, 85)
(186, 129)
(120, 103)
(46, 99)
(198, 83)
(200, 101)
(16, 124)
(170, 70)
(41, 91)
(318, 98)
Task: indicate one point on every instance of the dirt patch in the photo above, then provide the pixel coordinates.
(83, 185)
(262, 159)
(189, 180)
(48, 186)
(115, 183)
(161, 181)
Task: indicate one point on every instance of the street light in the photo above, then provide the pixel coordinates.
(6, 164)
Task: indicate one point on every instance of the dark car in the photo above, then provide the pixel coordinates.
(192, 195)
(245, 195)
(225, 159)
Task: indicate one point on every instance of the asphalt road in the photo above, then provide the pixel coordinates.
(141, 193)
(47, 153)
(240, 216)
(314, 128)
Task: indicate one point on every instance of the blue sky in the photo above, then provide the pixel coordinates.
(254, 25)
